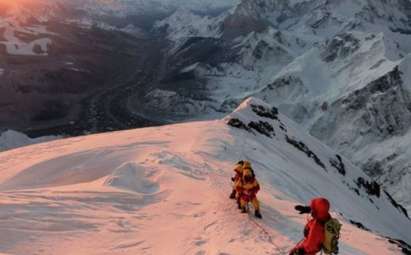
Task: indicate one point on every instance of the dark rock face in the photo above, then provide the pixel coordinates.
(396, 204)
(374, 168)
(340, 47)
(372, 188)
(302, 147)
(264, 112)
(238, 124)
(263, 128)
(359, 225)
(285, 82)
(405, 247)
(259, 50)
(338, 164)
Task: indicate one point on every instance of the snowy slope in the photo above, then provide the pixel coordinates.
(37, 46)
(11, 139)
(184, 23)
(164, 190)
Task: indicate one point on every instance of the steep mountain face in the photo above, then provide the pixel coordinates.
(339, 68)
(280, 31)
(164, 190)
(372, 125)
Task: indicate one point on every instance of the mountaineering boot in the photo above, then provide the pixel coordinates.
(232, 195)
(258, 214)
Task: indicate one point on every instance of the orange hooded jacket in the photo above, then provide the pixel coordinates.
(314, 230)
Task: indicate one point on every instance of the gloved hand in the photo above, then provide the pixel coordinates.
(297, 251)
(303, 209)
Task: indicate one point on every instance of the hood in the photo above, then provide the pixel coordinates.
(238, 169)
(246, 165)
(320, 209)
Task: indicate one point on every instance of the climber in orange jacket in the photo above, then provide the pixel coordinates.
(314, 229)
(238, 170)
(247, 188)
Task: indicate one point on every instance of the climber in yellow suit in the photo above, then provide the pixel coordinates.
(247, 188)
(238, 170)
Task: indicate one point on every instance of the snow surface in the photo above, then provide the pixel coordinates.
(184, 23)
(164, 190)
(11, 139)
(16, 46)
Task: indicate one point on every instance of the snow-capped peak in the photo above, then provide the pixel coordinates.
(184, 23)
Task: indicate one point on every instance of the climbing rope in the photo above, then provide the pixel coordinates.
(258, 225)
(269, 236)
(243, 156)
(214, 177)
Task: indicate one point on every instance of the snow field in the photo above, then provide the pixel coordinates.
(165, 191)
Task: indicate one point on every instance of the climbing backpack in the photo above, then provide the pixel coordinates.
(332, 233)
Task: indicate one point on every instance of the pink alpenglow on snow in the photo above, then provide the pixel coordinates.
(163, 190)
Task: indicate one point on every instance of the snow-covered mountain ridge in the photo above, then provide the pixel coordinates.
(338, 68)
(164, 190)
